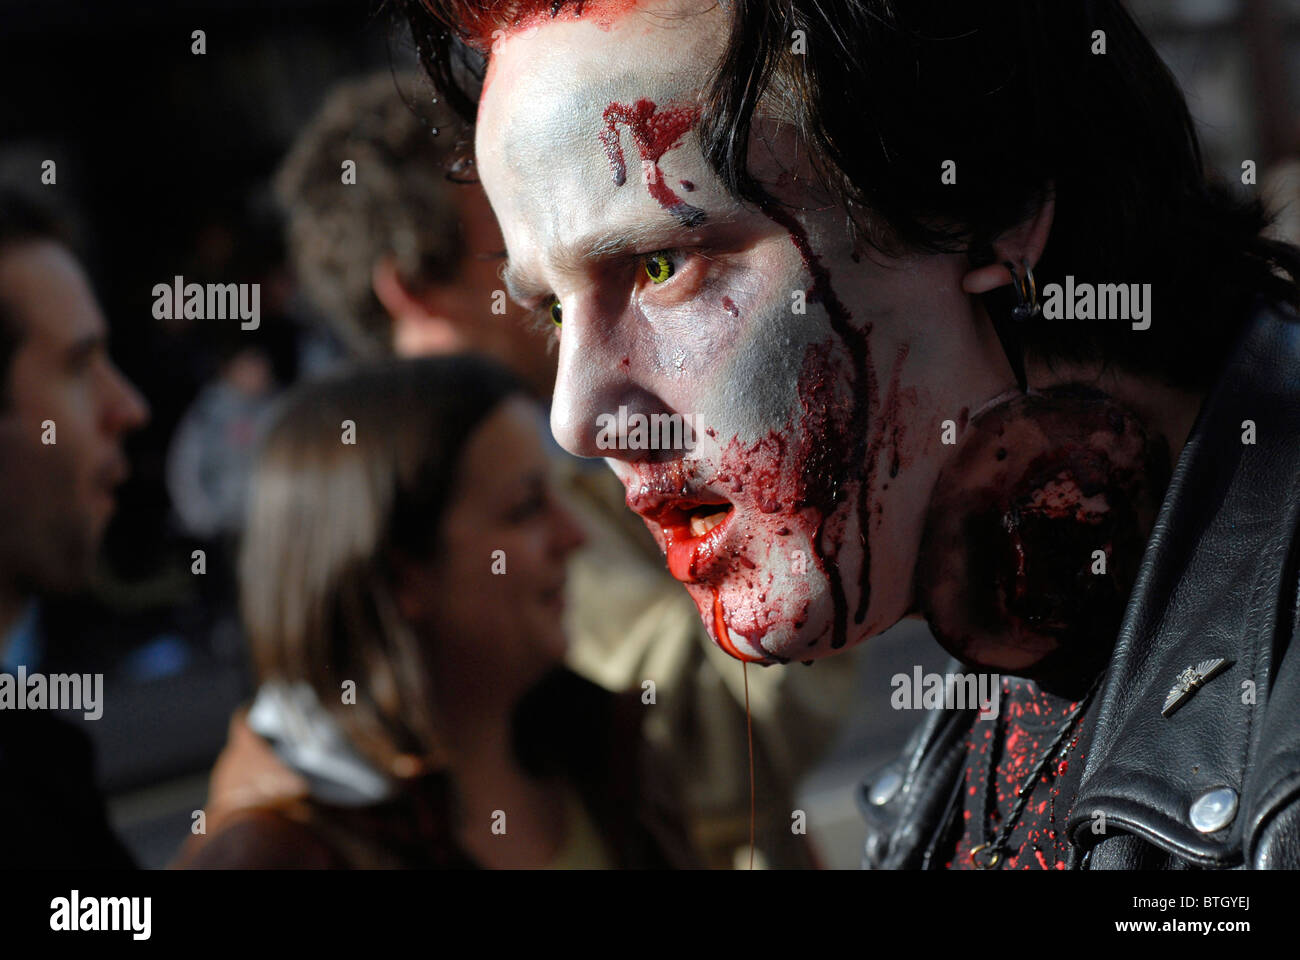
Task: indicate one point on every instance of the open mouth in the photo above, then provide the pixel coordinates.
(702, 522)
(693, 533)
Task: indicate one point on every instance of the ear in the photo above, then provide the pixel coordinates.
(419, 326)
(1023, 243)
(390, 290)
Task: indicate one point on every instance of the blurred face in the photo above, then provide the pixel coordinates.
(496, 334)
(499, 614)
(817, 381)
(470, 310)
(56, 497)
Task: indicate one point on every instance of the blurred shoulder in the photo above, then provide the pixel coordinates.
(263, 839)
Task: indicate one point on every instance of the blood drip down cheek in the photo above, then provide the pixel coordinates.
(762, 576)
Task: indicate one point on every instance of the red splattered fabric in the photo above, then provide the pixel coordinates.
(1028, 722)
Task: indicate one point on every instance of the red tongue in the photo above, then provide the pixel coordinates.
(681, 559)
(684, 549)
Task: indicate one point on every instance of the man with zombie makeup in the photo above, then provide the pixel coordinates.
(825, 231)
(405, 261)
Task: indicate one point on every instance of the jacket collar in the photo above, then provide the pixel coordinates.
(1216, 581)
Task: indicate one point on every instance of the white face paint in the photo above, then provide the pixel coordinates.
(818, 430)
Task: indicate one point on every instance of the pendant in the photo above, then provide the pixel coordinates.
(986, 856)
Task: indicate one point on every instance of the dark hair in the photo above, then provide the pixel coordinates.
(401, 205)
(326, 518)
(888, 90)
(25, 217)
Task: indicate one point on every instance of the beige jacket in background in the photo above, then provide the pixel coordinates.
(629, 621)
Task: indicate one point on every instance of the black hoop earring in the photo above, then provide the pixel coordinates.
(1008, 328)
(1027, 305)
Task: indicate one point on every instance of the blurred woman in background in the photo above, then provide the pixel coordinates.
(402, 586)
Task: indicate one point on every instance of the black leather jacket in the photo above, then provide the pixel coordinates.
(1219, 578)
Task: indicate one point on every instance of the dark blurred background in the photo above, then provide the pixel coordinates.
(167, 157)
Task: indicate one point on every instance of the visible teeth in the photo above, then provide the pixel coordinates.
(702, 525)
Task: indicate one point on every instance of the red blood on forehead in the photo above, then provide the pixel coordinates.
(487, 21)
(655, 130)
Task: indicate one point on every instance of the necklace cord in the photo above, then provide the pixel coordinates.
(996, 846)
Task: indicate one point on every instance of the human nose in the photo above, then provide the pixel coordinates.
(601, 386)
(125, 407)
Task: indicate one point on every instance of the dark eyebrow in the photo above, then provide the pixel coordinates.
(592, 248)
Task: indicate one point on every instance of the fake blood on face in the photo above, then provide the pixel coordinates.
(686, 552)
(801, 479)
(655, 131)
(789, 482)
(856, 344)
(764, 491)
(483, 28)
(724, 636)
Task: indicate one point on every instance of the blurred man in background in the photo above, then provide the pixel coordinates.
(399, 258)
(64, 411)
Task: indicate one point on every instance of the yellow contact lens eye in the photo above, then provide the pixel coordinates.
(557, 313)
(658, 267)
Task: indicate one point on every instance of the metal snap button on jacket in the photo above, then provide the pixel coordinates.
(1214, 810)
(883, 790)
